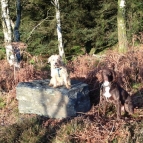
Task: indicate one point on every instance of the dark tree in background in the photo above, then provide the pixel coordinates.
(16, 31)
(17, 24)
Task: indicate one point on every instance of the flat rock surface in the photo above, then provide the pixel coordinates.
(37, 97)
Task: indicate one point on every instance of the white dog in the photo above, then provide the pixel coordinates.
(59, 72)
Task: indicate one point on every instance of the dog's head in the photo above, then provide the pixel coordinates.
(55, 61)
(106, 75)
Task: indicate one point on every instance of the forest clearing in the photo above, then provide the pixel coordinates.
(89, 36)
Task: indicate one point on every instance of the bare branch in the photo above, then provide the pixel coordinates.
(35, 28)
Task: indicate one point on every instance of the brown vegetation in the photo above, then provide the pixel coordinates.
(94, 127)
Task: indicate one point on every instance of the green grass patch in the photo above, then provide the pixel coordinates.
(2, 53)
(26, 131)
(33, 131)
(136, 86)
(2, 103)
(66, 131)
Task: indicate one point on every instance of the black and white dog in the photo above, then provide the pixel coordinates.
(112, 92)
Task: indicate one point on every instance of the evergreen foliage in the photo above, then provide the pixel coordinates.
(86, 24)
(134, 17)
(92, 23)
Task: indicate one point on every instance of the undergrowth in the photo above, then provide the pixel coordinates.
(90, 127)
(2, 103)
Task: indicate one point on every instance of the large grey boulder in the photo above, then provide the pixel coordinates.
(37, 97)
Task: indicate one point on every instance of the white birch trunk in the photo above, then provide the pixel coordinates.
(59, 31)
(121, 22)
(6, 23)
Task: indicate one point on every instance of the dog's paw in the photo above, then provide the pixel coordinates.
(50, 84)
(55, 85)
(68, 87)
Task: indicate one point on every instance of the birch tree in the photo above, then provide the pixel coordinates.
(12, 52)
(59, 31)
(121, 22)
(7, 31)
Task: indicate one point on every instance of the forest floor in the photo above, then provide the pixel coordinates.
(90, 127)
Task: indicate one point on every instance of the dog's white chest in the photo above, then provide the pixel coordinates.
(106, 89)
(107, 93)
(56, 72)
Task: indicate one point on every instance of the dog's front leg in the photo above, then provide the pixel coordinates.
(118, 108)
(54, 82)
(103, 103)
(67, 82)
(104, 106)
(52, 78)
(51, 82)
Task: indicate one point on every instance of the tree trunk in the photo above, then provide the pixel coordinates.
(17, 24)
(122, 37)
(59, 31)
(17, 34)
(7, 30)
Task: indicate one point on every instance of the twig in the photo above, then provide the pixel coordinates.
(111, 129)
(103, 127)
(82, 113)
(35, 28)
(14, 73)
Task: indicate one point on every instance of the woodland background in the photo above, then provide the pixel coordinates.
(85, 24)
(89, 30)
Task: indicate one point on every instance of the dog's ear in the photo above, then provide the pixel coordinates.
(60, 58)
(113, 75)
(100, 72)
(99, 75)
